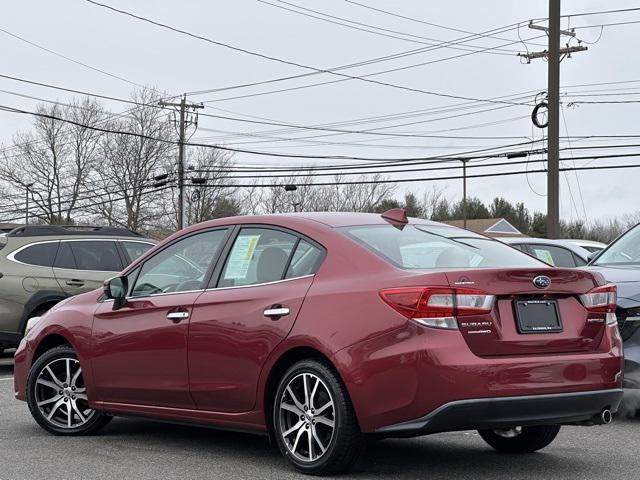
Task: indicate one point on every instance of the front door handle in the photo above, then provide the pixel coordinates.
(276, 312)
(177, 316)
(75, 283)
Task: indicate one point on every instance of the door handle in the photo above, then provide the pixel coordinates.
(276, 312)
(75, 283)
(177, 316)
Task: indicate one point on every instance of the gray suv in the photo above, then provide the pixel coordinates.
(41, 265)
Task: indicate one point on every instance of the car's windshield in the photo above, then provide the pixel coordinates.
(625, 251)
(435, 246)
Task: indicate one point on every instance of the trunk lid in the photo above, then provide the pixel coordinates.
(500, 333)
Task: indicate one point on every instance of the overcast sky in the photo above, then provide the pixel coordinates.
(146, 54)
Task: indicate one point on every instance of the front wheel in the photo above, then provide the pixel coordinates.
(313, 420)
(520, 439)
(57, 396)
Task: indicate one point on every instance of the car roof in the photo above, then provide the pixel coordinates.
(579, 241)
(329, 219)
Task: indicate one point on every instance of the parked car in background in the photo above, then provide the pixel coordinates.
(322, 329)
(591, 245)
(619, 263)
(43, 264)
(558, 253)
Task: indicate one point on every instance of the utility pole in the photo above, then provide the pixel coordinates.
(554, 55)
(553, 130)
(464, 193)
(184, 108)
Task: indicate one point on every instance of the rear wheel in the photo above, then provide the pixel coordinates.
(520, 439)
(313, 420)
(57, 396)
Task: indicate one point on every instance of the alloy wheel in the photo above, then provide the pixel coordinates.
(307, 417)
(60, 394)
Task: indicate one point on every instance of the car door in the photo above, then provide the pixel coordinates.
(83, 265)
(140, 350)
(251, 306)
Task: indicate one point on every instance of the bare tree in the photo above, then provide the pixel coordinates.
(212, 195)
(55, 159)
(131, 160)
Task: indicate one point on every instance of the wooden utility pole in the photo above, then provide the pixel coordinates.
(184, 121)
(554, 54)
(553, 130)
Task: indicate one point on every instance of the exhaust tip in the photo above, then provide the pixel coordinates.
(606, 416)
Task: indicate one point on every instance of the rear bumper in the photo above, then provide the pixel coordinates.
(412, 372)
(507, 412)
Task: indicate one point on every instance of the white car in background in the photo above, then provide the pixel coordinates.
(591, 245)
(558, 253)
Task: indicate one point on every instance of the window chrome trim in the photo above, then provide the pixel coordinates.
(13, 254)
(212, 289)
(260, 284)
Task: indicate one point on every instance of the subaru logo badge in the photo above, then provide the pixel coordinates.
(542, 281)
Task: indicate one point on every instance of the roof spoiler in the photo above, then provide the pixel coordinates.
(396, 217)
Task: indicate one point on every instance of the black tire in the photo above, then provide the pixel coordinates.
(529, 440)
(347, 442)
(95, 419)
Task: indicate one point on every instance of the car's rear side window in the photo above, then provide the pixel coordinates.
(305, 261)
(258, 255)
(435, 246)
(553, 255)
(40, 254)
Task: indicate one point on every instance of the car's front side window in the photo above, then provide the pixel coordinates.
(180, 267)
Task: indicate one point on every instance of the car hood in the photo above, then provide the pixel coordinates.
(626, 278)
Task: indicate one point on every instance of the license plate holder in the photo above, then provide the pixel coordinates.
(538, 316)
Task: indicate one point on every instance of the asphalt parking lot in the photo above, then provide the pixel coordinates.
(132, 448)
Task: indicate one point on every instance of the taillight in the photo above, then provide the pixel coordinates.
(602, 300)
(438, 307)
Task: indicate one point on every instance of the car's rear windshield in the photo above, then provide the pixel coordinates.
(427, 246)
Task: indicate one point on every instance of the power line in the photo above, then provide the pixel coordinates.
(377, 30)
(236, 150)
(602, 12)
(260, 122)
(393, 14)
(403, 54)
(77, 62)
(425, 179)
(283, 61)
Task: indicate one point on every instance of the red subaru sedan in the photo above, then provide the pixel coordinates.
(325, 329)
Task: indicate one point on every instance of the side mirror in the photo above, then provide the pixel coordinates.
(116, 288)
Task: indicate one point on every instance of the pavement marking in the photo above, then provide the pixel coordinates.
(6, 379)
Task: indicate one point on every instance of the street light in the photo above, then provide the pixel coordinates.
(26, 213)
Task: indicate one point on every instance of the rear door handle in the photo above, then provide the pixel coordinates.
(276, 312)
(75, 283)
(177, 316)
